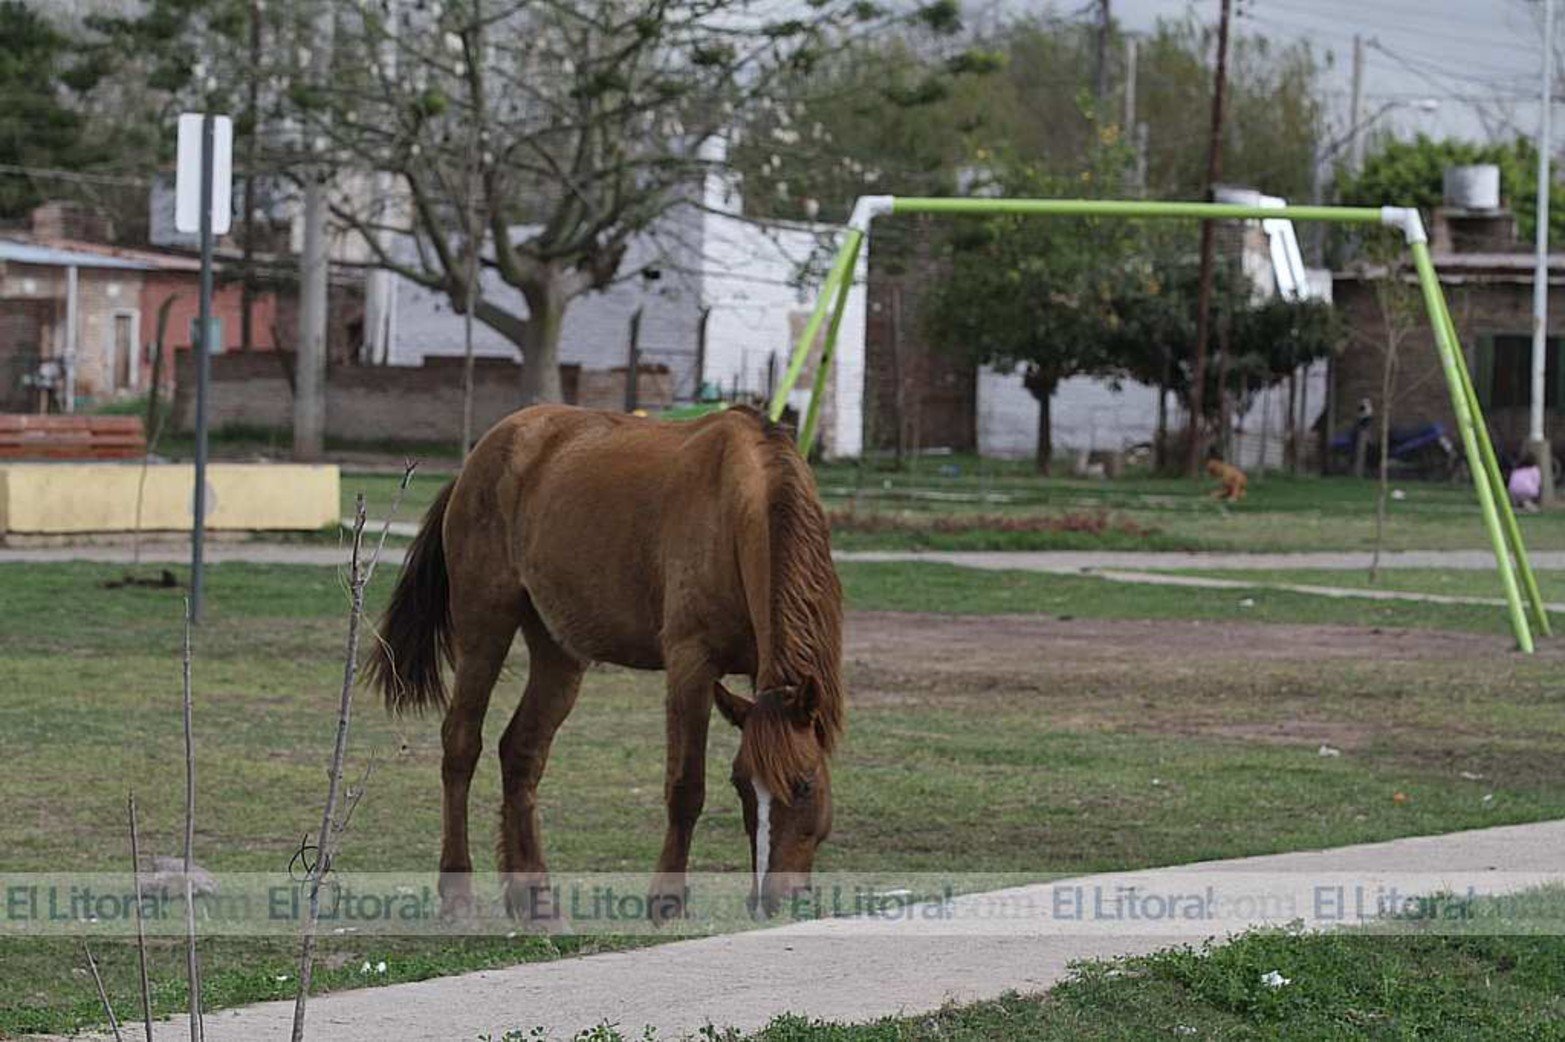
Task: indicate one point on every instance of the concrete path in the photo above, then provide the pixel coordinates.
(1158, 560)
(1114, 566)
(1064, 561)
(860, 969)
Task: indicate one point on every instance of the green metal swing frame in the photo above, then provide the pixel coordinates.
(1517, 579)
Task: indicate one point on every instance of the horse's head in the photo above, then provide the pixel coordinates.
(784, 782)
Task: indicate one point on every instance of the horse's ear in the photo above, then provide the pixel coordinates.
(735, 708)
(802, 701)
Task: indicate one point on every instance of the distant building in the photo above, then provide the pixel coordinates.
(722, 299)
(78, 318)
(1487, 276)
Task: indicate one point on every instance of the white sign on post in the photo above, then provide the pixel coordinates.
(187, 175)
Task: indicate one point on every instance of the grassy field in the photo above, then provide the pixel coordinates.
(949, 588)
(1042, 764)
(1340, 986)
(1004, 508)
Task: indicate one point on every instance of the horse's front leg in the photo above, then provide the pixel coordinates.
(553, 679)
(689, 709)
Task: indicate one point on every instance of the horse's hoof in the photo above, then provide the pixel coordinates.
(534, 904)
(665, 907)
(456, 895)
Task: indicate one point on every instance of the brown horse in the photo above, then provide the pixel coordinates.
(697, 548)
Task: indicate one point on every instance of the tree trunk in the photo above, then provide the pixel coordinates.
(1045, 434)
(1042, 388)
(540, 341)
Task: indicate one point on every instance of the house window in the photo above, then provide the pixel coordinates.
(1510, 384)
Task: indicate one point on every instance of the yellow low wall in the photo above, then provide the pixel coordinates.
(64, 498)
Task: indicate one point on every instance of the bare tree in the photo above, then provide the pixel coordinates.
(1400, 313)
(587, 122)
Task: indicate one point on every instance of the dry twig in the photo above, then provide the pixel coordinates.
(103, 996)
(141, 930)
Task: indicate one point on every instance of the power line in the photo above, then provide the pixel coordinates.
(50, 173)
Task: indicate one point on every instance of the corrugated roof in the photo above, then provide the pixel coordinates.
(16, 252)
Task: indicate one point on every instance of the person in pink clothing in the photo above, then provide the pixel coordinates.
(1526, 484)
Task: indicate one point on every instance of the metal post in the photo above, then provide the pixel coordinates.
(1538, 443)
(841, 268)
(203, 351)
(1499, 521)
(1448, 351)
(1491, 474)
(829, 349)
(72, 326)
(633, 365)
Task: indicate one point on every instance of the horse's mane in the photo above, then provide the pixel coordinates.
(806, 618)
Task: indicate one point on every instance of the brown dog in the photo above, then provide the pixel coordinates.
(1232, 478)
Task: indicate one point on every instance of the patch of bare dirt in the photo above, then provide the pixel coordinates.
(1275, 684)
(1005, 642)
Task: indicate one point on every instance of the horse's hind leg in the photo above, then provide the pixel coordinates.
(553, 679)
(482, 632)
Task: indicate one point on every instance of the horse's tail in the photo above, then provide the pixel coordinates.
(415, 632)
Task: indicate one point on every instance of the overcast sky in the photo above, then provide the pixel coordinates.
(1479, 59)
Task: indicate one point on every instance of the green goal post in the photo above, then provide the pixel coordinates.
(1516, 574)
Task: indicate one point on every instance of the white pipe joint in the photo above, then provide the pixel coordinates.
(1406, 219)
(869, 207)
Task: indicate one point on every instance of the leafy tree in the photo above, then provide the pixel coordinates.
(1275, 112)
(1267, 339)
(38, 128)
(918, 113)
(1411, 173)
(143, 64)
(1039, 296)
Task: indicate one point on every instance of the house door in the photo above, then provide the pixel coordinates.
(124, 350)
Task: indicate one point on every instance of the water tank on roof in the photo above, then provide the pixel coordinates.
(1473, 187)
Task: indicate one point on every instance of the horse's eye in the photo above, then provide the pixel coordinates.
(803, 788)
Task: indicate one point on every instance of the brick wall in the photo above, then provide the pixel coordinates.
(938, 400)
(391, 403)
(1481, 309)
(25, 325)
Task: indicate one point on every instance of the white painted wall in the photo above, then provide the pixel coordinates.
(1087, 414)
(707, 256)
(754, 314)
(1093, 414)
(597, 327)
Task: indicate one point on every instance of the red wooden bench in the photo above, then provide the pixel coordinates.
(25, 436)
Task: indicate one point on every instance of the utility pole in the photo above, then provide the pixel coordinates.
(1136, 133)
(1356, 108)
(380, 286)
(1101, 84)
(252, 141)
(1130, 83)
(1538, 444)
(1214, 174)
(309, 396)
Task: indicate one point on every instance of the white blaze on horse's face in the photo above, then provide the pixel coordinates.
(781, 776)
(761, 843)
